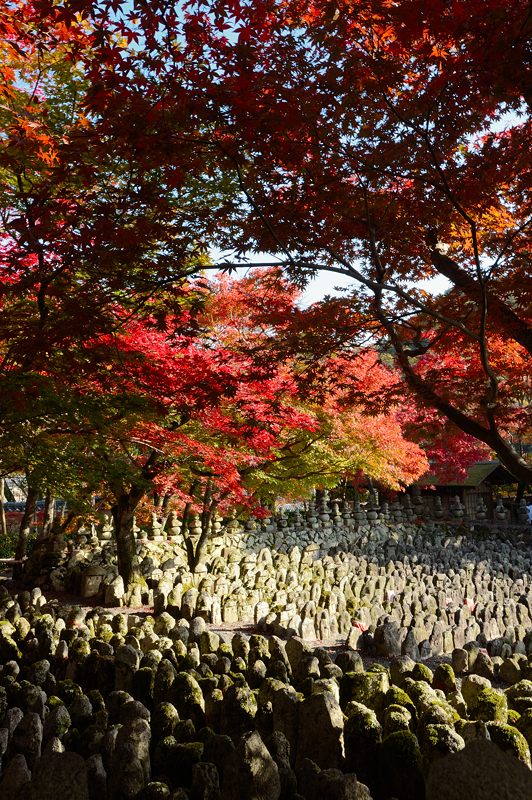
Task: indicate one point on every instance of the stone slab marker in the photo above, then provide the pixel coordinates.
(481, 771)
(320, 731)
(251, 772)
(60, 776)
(130, 768)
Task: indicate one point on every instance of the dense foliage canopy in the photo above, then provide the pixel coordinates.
(386, 141)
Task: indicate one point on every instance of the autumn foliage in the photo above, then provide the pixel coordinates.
(387, 141)
(205, 414)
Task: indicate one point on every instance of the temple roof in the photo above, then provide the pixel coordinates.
(483, 471)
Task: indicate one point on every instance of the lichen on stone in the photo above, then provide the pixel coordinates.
(491, 706)
(510, 739)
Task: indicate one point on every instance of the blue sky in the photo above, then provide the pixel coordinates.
(326, 283)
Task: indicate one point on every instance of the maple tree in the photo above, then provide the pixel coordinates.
(324, 435)
(204, 414)
(449, 451)
(221, 424)
(387, 142)
(93, 220)
(374, 386)
(384, 141)
(97, 209)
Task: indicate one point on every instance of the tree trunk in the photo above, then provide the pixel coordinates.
(161, 502)
(164, 512)
(186, 538)
(25, 529)
(65, 519)
(3, 521)
(195, 557)
(48, 516)
(123, 512)
(184, 528)
(196, 554)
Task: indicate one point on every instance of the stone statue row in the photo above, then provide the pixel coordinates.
(325, 513)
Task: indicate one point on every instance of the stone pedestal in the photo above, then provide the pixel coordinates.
(91, 581)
